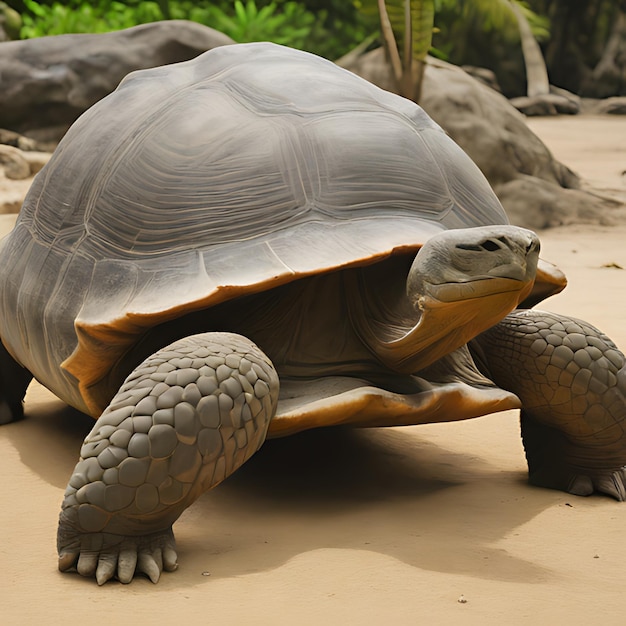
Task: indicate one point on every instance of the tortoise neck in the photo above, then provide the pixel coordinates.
(409, 332)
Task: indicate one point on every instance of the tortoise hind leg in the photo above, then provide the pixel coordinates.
(186, 418)
(14, 379)
(571, 379)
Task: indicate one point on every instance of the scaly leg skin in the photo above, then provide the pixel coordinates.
(571, 379)
(14, 380)
(183, 421)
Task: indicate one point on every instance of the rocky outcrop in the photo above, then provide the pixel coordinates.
(536, 190)
(17, 168)
(49, 81)
(608, 106)
(557, 102)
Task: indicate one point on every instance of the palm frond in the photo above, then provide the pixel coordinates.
(412, 23)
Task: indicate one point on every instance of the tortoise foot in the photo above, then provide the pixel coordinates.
(107, 555)
(184, 420)
(556, 461)
(10, 414)
(571, 380)
(14, 380)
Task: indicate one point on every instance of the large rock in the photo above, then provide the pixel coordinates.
(557, 102)
(608, 106)
(49, 81)
(536, 190)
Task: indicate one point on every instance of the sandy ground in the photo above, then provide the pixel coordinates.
(360, 527)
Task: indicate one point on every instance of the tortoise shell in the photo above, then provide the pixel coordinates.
(244, 169)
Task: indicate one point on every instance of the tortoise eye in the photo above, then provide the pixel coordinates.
(489, 245)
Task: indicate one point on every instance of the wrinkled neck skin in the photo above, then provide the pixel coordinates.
(460, 283)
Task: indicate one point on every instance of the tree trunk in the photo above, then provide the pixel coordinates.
(579, 35)
(537, 83)
(609, 75)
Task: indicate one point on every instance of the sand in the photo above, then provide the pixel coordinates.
(392, 526)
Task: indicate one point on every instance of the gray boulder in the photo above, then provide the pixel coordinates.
(557, 102)
(608, 106)
(49, 81)
(536, 190)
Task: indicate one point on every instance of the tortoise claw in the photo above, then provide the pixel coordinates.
(67, 560)
(105, 555)
(151, 564)
(611, 483)
(107, 565)
(580, 486)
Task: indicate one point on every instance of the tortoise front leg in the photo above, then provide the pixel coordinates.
(14, 379)
(183, 421)
(571, 379)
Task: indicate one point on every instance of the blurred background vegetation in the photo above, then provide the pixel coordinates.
(575, 35)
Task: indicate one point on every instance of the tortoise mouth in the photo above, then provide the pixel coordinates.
(474, 287)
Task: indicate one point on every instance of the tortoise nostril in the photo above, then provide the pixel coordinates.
(532, 246)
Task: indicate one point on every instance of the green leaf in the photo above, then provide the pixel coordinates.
(412, 22)
(35, 8)
(241, 12)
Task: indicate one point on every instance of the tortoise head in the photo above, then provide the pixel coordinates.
(461, 283)
(473, 263)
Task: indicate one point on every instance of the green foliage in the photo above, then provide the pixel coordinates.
(77, 16)
(285, 22)
(486, 33)
(406, 28)
(288, 23)
(340, 26)
(412, 22)
(496, 15)
(327, 27)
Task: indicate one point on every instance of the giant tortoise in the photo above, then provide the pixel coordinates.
(257, 242)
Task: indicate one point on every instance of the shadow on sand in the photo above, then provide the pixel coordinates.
(391, 491)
